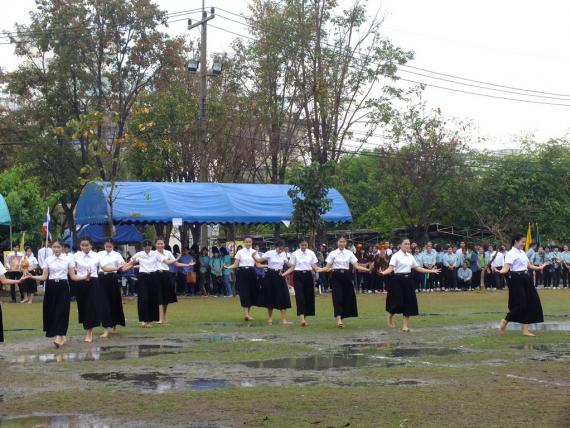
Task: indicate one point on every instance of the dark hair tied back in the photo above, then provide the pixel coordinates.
(516, 237)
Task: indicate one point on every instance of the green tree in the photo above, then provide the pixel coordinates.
(26, 203)
(310, 186)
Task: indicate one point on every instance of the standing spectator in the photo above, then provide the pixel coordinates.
(557, 263)
(226, 273)
(473, 264)
(29, 286)
(449, 266)
(204, 274)
(549, 268)
(565, 255)
(14, 260)
(216, 268)
(185, 278)
(428, 261)
(538, 260)
(417, 276)
(498, 258)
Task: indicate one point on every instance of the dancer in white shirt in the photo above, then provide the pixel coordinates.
(274, 289)
(339, 261)
(247, 284)
(524, 302)
(302, 264)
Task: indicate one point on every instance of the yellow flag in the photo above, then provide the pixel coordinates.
(22, 241)
(528, 238)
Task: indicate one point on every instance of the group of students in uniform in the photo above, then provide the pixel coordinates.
(99, 297)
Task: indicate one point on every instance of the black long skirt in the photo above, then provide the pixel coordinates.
(29, 286)
(96, 310)
(80, 290)
(524, 302)
(147, 301)
(274, 291)
(56, 308)
(1, 326)
(344, 298)
(166, 290)
(304, 292)
(401, 298)
(248, 287)
(112, 291)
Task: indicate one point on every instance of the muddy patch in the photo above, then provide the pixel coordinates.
(58, 421)
(422, 352)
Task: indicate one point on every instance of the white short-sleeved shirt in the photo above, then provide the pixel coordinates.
(2, 269)
(275, 260)
(304, 260)
(403, 262)
(517, 259)
(167, 256)
(148, 262)
(86, 262)
(44, 253)
(58, 266)
(245, 257)
(499, 260)
(112, 259)
(341, 259)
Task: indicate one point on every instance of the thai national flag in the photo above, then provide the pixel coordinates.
(45, 226)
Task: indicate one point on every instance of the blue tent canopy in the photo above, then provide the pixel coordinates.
(5, 219)
(124, 234)
(217, 203)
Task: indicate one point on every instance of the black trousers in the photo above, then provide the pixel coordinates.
(56, 308)
(401, 297)
(147, 297)
(380, 282)
(344, 298)
(248, 287)
(476, 280)
(304, 292)
(111, 288)
(524, 302)
(565, 276)
(450, 278)
(80, 290)
(15, 275)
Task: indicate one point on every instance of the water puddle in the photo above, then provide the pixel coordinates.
(56, 421)
(101, 353)
(420, 352)
(157, 382)
(314, 362)
(545, 326)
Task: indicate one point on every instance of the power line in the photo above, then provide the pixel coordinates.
(438, 73)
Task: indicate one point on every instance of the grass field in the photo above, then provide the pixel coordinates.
(210, 368)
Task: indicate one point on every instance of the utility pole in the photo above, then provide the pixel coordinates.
(203, 128)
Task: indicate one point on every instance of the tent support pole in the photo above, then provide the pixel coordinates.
(11, 241)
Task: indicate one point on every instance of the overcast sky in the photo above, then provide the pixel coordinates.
(516, 43)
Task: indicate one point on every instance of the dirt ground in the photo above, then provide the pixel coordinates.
(207, 367)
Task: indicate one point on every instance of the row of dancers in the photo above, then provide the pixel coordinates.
(99, 298)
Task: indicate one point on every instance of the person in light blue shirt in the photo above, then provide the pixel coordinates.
(531, 250)
(549, 268)
(449, 261)
(227, 273)
(428, 260)
(557, 259)
(537, 260)
(565, 257)
(464, 275)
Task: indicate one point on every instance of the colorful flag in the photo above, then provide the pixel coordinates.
(22, 241)
(528, 238)
(45, 226)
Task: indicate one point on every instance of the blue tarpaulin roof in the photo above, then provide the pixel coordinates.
(223, 203)
(5, 219)
(124, 234)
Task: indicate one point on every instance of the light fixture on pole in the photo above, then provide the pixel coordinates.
(193, 65)
(217, 67)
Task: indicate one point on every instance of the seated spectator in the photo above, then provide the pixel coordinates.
(464, 275)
